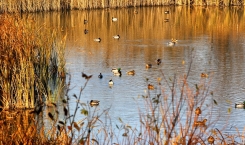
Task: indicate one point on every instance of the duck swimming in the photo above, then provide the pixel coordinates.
(172, 42)
(158, 61)
(85, 31)
(115, 70)
(97, 39)
(111, 82)
(85, 21)
(114, 19)
(118, 73)
(94, 102)
(100, 76)
(132, 72)
(116, 37)
(148, 65)
(240, 105)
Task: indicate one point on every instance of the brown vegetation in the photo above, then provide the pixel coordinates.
(29, 59)
(40, 5)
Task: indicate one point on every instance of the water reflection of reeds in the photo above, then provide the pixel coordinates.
(149, 22)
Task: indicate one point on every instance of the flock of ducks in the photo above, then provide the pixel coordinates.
(114, 19)
(118, 72)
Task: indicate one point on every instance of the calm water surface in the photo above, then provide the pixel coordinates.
(213, 38)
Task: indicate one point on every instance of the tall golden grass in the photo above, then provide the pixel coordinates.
(29, 58)
(40, 5)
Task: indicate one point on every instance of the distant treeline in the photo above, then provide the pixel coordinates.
(54, 5)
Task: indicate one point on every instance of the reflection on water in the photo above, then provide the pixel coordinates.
(214, 37)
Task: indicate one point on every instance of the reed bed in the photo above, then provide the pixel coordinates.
(41, 5)
(30, 59)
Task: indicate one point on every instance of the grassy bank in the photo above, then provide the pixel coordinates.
(30, 60)
(40, 5)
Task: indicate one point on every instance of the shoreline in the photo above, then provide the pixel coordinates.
(63, 5)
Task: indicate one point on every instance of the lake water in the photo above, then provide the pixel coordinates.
(212, 38)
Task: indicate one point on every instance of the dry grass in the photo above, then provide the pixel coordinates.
(29, 60)
(32, 71)
(40, 5)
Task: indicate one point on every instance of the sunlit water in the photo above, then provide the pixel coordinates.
(213, 38)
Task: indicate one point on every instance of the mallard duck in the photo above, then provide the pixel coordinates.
(158, 61)
(118, 73)
(198, 111)
(85, 21)
(166, 12)
(116, 37)
(94, 102)
(200, 123)
(111, 82)
(210, 140)
(85, 31)
(115, 70)
(240, 105)
(148, 65)
(203, 75)
(150, 87)
(114, 19)
(97, 39)
(100, 76)
(135, 11)
(132, 72)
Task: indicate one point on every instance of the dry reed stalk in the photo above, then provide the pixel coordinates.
(170, 117)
